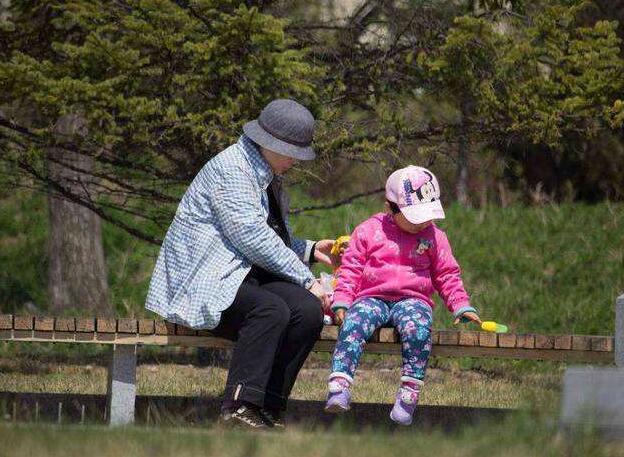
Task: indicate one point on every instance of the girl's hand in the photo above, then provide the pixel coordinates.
(474, 317)
(322, 253)
(339, 317)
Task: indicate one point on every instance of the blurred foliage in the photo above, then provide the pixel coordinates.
(162, 85)
(530, 89)
(537, 83)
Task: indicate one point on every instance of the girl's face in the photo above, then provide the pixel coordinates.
(404, 224)
(280, 164)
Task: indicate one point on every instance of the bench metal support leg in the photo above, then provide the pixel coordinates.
(122, 385)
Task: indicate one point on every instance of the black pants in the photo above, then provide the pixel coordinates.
(275, 324)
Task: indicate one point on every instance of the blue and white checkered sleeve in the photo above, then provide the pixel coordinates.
(237, 205)
(303, 248)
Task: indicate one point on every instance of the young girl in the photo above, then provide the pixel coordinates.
(394, 262)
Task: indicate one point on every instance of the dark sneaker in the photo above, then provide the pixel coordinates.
(246, 416)
(272, 417)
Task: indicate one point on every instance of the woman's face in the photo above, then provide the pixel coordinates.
(280, 164)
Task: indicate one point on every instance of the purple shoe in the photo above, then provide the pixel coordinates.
(405, 403)
(339, 396)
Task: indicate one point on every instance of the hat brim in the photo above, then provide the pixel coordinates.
(253, 130)
(423, 212)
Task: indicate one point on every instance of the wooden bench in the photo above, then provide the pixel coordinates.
(126, 335)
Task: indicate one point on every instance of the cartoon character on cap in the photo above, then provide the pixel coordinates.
(416, 193)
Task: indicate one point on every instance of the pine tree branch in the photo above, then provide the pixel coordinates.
(342, 202)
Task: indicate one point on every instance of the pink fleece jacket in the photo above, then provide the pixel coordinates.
(386, 262)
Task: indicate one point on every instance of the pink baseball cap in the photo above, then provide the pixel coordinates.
(416, 192)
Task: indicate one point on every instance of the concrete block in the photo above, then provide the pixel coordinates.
(122, 385)
(594, 396)
(619, 331)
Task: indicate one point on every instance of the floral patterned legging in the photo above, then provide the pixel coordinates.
(411, 317)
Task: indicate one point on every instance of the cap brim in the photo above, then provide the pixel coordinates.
(423, 212)
(266, 140)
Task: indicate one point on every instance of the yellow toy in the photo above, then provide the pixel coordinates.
(491, 326)
(339, 243)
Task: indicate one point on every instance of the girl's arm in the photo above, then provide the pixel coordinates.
(351, 269)
(446, 276)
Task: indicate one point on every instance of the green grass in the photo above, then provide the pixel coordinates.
(23, 258)
(519, 435)
(531, 430)
(530, 386)
(539, 269)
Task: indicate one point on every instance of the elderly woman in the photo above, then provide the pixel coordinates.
(229, 263)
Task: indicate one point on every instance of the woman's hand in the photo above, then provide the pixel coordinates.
(322, 253)
(474, 317)
(320, 293)
(339, 316)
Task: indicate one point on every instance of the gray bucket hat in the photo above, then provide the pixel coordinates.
(285, 127)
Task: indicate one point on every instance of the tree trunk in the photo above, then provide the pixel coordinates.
(77, 276)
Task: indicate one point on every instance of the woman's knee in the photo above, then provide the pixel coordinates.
(308, 313)
(305, 308)
(313, 316)
(276, 310)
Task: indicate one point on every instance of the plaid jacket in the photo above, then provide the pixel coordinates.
(220, 229)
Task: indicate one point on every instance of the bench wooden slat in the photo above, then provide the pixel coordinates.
(106, 325)
(44, 324)
(44, 327)
(185, 331)
(146, 326)
(544, 342)
(525, 341)
(6, 321)
(23, 326)
(23, 322)
(525, 354)
(84, 336)
(85, 324)
(506, 340)
(388, 335)
(85, 329)
(329, 332)
(563, 342)
(126, 325)
(43, 335)
(581, 343)
(468, 338)
(602, 343)
(489, 340)
(448, 337)
(124, 331)
(65, 324)
(164, 328)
